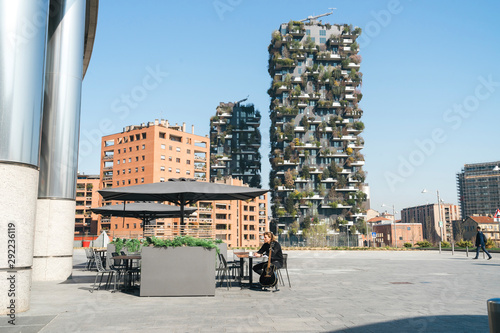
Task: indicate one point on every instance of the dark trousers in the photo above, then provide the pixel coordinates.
(259, 268)
(484, 250)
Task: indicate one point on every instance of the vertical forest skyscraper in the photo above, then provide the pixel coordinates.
(234, 143)
(316, 160)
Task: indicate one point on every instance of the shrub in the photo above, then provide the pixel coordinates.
(424, 243)
(445, 244)
(464, 243)
(489, 243)
(407, 244)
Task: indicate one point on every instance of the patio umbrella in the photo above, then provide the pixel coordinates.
(146, 211)
(182, 192)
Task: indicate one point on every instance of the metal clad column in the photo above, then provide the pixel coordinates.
(55, 220)
(23, 33)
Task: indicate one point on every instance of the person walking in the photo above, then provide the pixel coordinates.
(480, 242)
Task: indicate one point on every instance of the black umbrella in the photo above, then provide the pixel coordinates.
(146, 211)
(181, 192)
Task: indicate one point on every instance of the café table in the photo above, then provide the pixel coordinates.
(243, 256)
(128, 265)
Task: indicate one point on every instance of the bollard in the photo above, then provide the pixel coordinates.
(467, 251)
(493, 305)
(452, 248)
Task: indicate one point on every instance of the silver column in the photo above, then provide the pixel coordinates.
(54, 230)
(23, 33)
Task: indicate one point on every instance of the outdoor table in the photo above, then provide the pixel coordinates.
(128, 264)
(243, 256)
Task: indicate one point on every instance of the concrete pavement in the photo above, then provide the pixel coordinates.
(332, 291)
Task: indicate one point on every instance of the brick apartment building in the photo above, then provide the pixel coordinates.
(157, 151)
(429, 216)
(86, 222)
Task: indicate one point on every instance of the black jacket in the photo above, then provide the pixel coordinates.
(276, 255)
(480, 239)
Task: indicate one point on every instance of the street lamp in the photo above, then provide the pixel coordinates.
(394, 222)
(439, 216)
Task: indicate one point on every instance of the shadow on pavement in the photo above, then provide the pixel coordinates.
(427, 324)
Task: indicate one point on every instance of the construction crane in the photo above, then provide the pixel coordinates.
(312, 18)
(238, 103)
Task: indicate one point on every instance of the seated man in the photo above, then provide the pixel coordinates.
(276, 254)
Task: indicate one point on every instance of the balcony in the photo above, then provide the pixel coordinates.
(284, 189)
(358, 163)
(108, 157)
(353, 65)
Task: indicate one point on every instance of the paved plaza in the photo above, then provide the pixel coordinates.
(332, 291)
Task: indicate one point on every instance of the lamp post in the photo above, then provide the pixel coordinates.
(440, 222)
(394, 222)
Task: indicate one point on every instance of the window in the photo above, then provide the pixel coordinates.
(162, 157)
(177, 170)
(124, 160)
(118, 151)
(188, 151)
(117, 183)
(300, 71)
(162, 168)
(143, 146)
(143, 135)
(129, 159)
(117, 172)
(162, 135)
(308, 32)
(118, 162)
(137, 158)
(162, 180)
(136, 147)
(142, 169)
(129, 170)
(129, 149)
(143, 157)
(169, 147)
(188, 172)
(163, 146)
(129, 181)
(178, 149)
(123, 182)
(322, 32)
(136, 169)
(322, 40)
(188, 162)
(169, 169)
(136, 181)
(178, 160)
(142, 180)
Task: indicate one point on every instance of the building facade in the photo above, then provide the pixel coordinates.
(149, 153)
(478, 187)
(87, 197)
(157, 151)
(429, 216)
(235, 140)
(467, 229)
(315, 129)
(397, 234)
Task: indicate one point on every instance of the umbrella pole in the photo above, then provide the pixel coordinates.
(123, 219)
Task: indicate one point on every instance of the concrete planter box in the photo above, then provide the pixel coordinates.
(178, 271)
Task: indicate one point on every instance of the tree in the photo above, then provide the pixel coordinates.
(305, 172)
(289, 182)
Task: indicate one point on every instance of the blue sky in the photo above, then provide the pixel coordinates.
(431, 84)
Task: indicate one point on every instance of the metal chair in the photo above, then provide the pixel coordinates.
(285, 267)
(224, 270)
(101, 270)
(89, 252)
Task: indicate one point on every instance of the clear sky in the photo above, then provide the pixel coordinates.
(431, 84)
